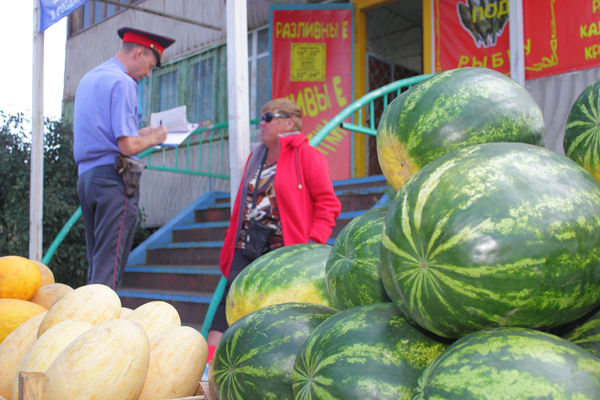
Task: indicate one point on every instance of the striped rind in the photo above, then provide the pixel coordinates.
(582, 133)
(587, 335)
(366, 352)
(256, 355)
(451, 110)
(499, 234)
(511, 363)
(285, 275)
(352, 269)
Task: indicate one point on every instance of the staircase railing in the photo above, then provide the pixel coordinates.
(355, 109)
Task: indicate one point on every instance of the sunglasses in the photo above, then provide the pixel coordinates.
(268, 117)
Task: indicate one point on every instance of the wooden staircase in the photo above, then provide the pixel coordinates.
(179, 263)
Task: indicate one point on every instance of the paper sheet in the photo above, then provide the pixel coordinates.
(176, 122)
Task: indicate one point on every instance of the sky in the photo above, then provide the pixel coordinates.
(16, 27)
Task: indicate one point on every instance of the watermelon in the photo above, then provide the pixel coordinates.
(498, 234)
(582, 133)
(352, 269)
(451, 110)
(511, 363)
(366, 352)
(255, 356)
(587, 335)
(286, 275)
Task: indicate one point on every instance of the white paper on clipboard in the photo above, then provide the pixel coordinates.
(175, 121)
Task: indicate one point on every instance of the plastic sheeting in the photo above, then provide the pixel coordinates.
(555, 95)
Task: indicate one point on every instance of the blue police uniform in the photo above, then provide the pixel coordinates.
(105, 109)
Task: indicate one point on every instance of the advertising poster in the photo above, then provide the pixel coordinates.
(470, 34)
(311, 64)
(559, 35)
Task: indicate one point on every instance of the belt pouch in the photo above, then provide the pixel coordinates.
(130, 170)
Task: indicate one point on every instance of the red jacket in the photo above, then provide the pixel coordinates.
(307, 203)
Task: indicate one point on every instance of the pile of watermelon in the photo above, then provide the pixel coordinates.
(480, 280)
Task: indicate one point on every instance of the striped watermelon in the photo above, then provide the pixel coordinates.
(256, 355)
(366, 352)
(498, 234)
(582, 134)
(587, 335)
(451, 110)
(511, 363)
(285, 275)
(353, 277)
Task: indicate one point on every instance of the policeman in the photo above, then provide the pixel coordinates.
(105, 131)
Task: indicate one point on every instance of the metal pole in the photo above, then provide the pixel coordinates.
(517, 51)
(36, 193)
(237, 90)
(162, 14)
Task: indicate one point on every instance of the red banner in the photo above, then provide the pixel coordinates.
(560, 35)
(469, 35)
(312, 66)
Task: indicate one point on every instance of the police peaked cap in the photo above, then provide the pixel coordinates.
(155, 42)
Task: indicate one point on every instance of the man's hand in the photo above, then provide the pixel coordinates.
(148, 137)
(160, 134)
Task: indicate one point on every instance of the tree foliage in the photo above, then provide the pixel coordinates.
(69, 263)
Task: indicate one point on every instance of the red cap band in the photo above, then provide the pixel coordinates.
(132, 37)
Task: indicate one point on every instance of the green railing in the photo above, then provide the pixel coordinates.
(217, 132)
(353, 110)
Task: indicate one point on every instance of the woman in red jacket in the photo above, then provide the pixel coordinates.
(293, 196)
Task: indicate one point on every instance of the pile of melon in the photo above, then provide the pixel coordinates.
(88, 345)
(479, 280)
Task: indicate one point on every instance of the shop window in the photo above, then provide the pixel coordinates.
(202, 88)
(258, 70)
(92, 13)
(168, 90)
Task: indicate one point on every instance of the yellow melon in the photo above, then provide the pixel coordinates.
(93, 303)
(125, 312)
(109, 361)
(13, 349)
(156, 317)
(48, 294)
(13, 312)
(47, 275)
(19, 278)
(177, 361)
(45, 350)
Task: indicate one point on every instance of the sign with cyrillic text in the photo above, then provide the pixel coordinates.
(311, 64)
(559, 35)
(55, 10)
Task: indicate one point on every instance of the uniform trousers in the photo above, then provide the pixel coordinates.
(110, 218)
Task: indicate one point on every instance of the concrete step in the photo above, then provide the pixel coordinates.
(360, 199)
(172, 277)
(369, 181)
(184, 253)
(214, 213)
(190, 305)
(200, 232)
